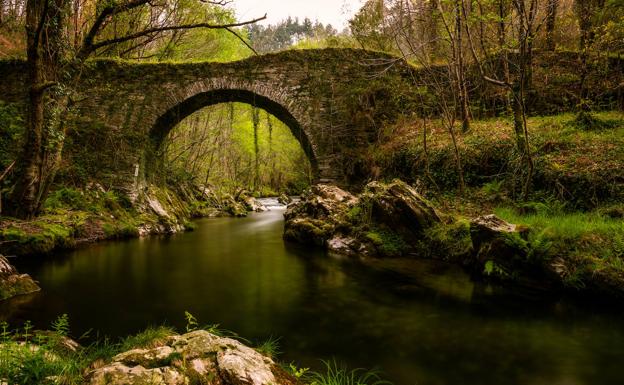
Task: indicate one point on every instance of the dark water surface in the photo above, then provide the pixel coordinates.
(420, 322)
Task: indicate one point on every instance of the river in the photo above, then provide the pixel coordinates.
(419, 322)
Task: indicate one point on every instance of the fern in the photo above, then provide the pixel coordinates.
(191, 322)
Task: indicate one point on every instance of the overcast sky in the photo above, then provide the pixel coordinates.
(334, 12)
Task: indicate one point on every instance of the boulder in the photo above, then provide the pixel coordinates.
(493, 239)
(233, 207)
(252, 204)
(319, 215)
(284, 199)
(12, 283)
(385, 220)
(399, 207)
(502, 251)
(198, 357)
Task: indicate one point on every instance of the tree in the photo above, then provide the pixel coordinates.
(52, 68)
(551, 18)
(525, 24)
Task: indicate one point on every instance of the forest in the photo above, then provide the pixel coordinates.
(432, 190)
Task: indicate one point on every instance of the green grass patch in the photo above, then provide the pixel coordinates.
(387, 242)
(270, 347)
(588, 246)
(148, 338)
(566, 226)
(584, 167)
(335, 374)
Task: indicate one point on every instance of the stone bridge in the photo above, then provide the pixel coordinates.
(333, 100)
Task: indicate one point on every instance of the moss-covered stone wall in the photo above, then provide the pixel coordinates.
(124, 110)
(336, 102)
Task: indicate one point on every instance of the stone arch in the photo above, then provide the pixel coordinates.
(195, 98)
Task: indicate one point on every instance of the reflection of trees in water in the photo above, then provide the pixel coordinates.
(412, 321)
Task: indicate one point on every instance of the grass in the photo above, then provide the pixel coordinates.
(270, 347)
(28, 357)
(589, 247)
(148, 338)
(583, 167)
(339, 375)
(566, 226)
(73, 216)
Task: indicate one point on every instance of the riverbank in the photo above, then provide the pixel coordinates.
(568, 236)
(74, 217)
(238, 272)
(544, 249)
(155, 355)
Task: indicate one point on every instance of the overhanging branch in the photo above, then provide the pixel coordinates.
(150, 31)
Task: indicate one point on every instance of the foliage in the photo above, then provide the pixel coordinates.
(339, 375)
(299, 373)
(387, 242)
(148, 338)
(287, 33)
(11, 131)
(21, 363)
(590, 246)
(447, 240)
(217, 146)
(191, 322)
(270, 347)
(580, 168)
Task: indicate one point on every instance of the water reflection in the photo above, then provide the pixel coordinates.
(421, 322)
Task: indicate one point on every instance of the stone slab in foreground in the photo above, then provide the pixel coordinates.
(197, 357)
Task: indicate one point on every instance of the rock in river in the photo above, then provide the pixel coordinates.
(12, 283)
(385, 220)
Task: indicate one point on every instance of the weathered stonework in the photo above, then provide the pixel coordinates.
(328, 97)
(334, 100)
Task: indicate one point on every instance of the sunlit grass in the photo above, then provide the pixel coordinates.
(590, 245)
(148, 338)
(270, 347)
(566, 226)
(339, 375)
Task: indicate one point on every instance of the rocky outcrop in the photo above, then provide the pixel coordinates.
(233, 207)
(284, 199)
(252, 204)
(502, 251)
(319, 215)
(385, 220)
(493, 237)
(400, 207)
(197, 357)
(12, 283)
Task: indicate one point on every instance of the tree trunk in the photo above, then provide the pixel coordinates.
(256, 122)
(432, 29)
(551, 18)
(45, 131)
(460, 70)
(24, 200)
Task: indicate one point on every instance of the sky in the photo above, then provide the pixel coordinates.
(334, 12)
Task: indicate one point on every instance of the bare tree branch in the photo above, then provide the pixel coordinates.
(149, 31)
(87, 45)
(242, 40)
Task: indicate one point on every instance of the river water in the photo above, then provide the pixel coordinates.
(419, 322)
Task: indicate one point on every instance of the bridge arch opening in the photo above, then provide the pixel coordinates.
(223, 125)
(172, 117)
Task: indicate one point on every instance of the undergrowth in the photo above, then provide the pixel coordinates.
(30, 357)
